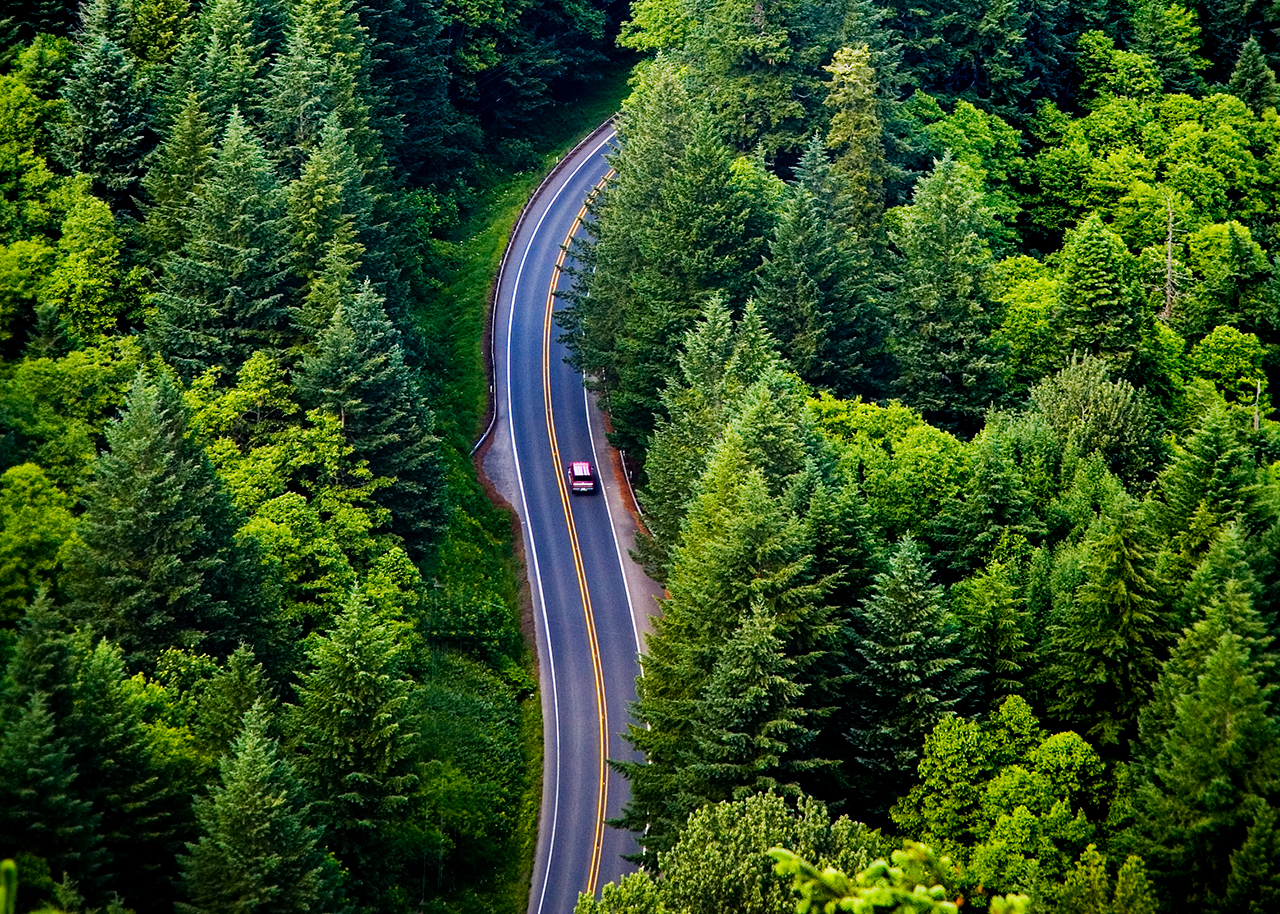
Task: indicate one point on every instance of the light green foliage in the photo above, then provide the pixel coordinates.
(88, 284)
(857, 135)
(723, 861)
(156, 28)
(26, 205)
(1028, 293)
(1230, 274)
(657, 25)
(908, 468)
(1087, 888)
(35, 525)
(917, 882)
(24, 269)
(1233, 362)
(54, 410)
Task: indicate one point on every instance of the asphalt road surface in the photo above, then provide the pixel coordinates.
(591, 602)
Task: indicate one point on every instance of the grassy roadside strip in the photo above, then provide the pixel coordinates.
(478, 556)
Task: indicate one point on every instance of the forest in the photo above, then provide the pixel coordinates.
(943, 339)
(260, 646)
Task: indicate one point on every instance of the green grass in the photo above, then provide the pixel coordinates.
(460, 307)
(477, 554)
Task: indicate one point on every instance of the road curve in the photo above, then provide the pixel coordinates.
(591, 602)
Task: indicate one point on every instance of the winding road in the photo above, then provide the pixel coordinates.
(591, 602)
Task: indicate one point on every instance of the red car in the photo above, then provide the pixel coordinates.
(581, 477)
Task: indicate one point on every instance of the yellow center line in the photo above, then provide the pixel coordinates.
(593, 872)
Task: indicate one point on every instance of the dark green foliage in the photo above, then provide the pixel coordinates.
(157, 565)
(220, 296)
(1254, 884)
(1252, 80)
(108, 132)
(258, 850)
(907, 671)
(358, 374)
(182, 163)
(1217, 762)
(1098, 314)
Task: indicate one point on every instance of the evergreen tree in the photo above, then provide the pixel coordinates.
(108, 132)
(1219, 761)
(353, 728)
(1105, 648)
(258, 850)
(1253, 887)
(158, 565)
(182, 163)
(230, 61)
(359, 375)
(1167, 33)
(220, 297)
(908, 671)
(50, 336)
(1252, 80)
(1098, 313)
(43, 814)
(943, 313)
(857, 134)
(751, 730)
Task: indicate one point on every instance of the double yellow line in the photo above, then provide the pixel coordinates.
(597, 667)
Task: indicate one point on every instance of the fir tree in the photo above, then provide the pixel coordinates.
(50, 337)
(857, 134)
(359, 375)
(1098, 314)
(942, 309)
(1167, 33)
(108, 132)
(258, 850)
(220, 297)
(1252, 80)
(158, 565)
(230, 67)
(908, 670)
(353, 727)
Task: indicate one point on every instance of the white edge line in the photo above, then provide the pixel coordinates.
(533, 549)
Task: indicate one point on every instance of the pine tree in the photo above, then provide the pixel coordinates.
(108, 133)
(230, 68)
(1252, 80)
(359, 375)
(1219, 760)
(158, 565)
(258, 850)
(1104, 651)
(943, 311)
(1098, 314)
(908, 670)
(220, 297)
(353, 727)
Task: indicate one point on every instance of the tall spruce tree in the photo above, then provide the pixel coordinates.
(943, 312)
(228, 65)
(1253, 887)
(182, 163)
(157, 565)
(353, 728)
(358, 374)
(1253, 81)
(220, 298)
(908, 671)
(259, 851)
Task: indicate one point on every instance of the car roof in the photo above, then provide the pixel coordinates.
(580, 468)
